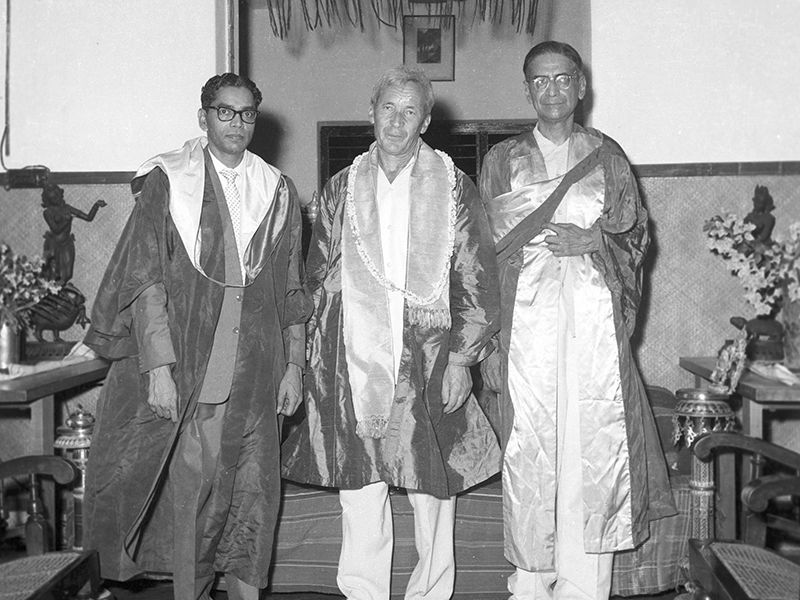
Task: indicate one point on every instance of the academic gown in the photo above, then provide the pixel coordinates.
(423, 449)
(128, 503)
(623, 472)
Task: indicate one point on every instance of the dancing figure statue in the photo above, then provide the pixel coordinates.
(59, 242)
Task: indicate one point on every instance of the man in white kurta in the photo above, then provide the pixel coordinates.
(367, 512)
(402, 271)
(571, 233)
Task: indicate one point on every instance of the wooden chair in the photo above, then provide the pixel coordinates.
(44, 574)
(744, 568)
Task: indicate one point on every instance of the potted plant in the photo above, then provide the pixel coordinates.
(24, 283)
(769, 272)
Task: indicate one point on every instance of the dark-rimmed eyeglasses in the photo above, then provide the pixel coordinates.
(248, 115)
(563, 81)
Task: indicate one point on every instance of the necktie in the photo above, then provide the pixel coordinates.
(234, 202)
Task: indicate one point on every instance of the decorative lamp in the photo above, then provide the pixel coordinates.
(74, 440)
(701, 411)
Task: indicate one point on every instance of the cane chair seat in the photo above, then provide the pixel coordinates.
(744, 568)
(760, 572)
(48, 574)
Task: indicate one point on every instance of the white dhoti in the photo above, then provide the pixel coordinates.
(578, 575)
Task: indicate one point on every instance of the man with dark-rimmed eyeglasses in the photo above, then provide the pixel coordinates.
(583, 472)
(202, 312)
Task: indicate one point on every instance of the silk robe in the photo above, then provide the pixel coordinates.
(423, 449)
(623, 470)
(128, 503)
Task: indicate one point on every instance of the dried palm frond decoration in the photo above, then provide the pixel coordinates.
(332, 13)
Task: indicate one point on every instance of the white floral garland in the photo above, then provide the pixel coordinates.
(367, 260)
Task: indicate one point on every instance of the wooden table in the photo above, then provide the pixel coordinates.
(37, 392)
(759, 395)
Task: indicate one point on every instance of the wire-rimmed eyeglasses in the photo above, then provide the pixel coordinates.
(563, 80)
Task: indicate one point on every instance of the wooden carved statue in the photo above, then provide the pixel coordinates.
(59, 312)
(59, 242)
(761, 216)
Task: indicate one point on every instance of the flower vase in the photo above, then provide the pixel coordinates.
(790, 315)
(10, 341)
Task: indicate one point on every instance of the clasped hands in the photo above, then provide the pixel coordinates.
(567, 239)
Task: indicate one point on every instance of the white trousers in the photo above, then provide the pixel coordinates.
(578, 575)
(365, 563)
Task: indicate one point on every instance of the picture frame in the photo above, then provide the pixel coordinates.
(429, 43)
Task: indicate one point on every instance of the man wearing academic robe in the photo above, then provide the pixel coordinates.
(402, 271)
(202, 312)
(583, 472)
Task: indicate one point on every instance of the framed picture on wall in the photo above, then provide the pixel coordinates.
(429, 42)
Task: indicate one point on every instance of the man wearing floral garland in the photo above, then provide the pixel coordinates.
(583, 472)
(403, 276)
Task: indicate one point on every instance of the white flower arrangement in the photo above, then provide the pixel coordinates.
(768, 270)
(24, 284)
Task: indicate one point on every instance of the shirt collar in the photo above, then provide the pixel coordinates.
(402, 176)
(219, 166)
(545, 145)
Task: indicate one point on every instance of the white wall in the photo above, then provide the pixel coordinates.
(688, 81)
(101, 85)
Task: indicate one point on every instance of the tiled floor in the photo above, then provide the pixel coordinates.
(151, 590)
(163, 591)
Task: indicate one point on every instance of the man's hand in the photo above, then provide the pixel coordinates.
(456, 385)
(290, 391)
(490, 371)
(570, 240)
(163, 396)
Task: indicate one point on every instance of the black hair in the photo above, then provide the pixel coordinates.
(209, 92)
(552, 47)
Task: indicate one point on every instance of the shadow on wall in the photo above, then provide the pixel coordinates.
(268, 137)
(441, 111)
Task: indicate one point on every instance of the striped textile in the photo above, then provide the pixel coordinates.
(662, 562)
(309, 538)
(310, 533)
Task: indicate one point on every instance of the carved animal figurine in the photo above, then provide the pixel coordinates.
(766, 338)
(58, 312)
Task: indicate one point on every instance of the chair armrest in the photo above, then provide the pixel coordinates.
(56, 467)
(707, 443)
(757, 494)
